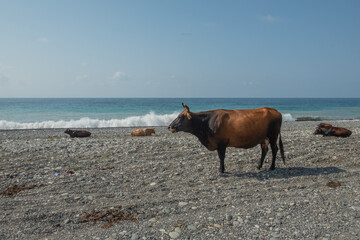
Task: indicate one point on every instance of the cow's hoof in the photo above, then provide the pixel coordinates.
(272, 168)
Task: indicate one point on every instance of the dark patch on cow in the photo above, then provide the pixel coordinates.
(78, 133)
(219, 129)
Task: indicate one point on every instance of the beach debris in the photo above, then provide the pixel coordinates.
(143, 132)
(111, 216)
(70, 172)
(15, 189)
(106, 168)
(56, 174)
(77, 133)
(333, 184)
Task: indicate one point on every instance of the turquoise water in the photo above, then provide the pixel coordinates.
(125, 112)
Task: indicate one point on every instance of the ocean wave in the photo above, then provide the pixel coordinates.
(150, 119)
(147, 120)
(287, 117)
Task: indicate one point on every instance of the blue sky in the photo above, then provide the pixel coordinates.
(179, 48)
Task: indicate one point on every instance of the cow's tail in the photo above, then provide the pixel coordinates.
(281, 149)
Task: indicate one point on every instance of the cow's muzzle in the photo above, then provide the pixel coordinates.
(171, 129)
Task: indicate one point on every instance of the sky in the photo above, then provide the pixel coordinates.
(179, 48)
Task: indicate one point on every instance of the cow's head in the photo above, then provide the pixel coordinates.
(182, 122)
(318, 130)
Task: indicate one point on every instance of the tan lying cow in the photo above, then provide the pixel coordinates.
(327, 129)
(143, 132)
(219, 129)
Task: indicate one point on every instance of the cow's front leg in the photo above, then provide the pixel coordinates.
(221, 152)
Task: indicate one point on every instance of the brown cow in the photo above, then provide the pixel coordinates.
(327, 129)
(143, 132)
(219, 129)
(78, 133)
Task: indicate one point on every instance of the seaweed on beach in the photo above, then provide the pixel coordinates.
(15, 189)
(333, 184)
(107, 168)
(111, 216)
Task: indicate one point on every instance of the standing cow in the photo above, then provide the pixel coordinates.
(219, 129)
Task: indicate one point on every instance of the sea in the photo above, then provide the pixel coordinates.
(37, 113)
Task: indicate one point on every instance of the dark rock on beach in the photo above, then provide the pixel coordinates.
(167, 186)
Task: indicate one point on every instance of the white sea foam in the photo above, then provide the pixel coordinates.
(150, 119)
(287, 117)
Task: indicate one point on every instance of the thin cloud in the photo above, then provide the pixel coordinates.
(82, 77)
(119, 76)
(269, 18)
(3, 79)
(43, 40)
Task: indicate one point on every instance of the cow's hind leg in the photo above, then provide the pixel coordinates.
(274, 150)
(221, 152)
(264, 150)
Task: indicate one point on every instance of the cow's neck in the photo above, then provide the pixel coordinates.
(201, 128)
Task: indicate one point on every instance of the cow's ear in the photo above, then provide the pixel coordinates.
(186, 107)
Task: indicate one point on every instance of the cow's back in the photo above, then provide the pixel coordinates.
(245, 128)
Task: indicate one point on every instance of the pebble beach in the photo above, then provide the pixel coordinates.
(167, 186)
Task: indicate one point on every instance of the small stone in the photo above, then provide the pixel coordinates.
(174, 235)
(178, 230)
(153, 184)
(135, 236)
(275, 235)
(356, 208)
(278, 221)
(191, 227)
(229, 217)
(217, 225)
(152, 220)
(182, 204)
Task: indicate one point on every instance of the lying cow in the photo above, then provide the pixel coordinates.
(219, 129)
(143, 132)
(327, 129)
(78, 133)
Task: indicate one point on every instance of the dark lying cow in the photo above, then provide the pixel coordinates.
(219, 129)
(327, 129)
(78, 133)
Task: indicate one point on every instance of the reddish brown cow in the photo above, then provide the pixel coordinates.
(327, 129)
(219, 129)
(143, 132)
(78, 133)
